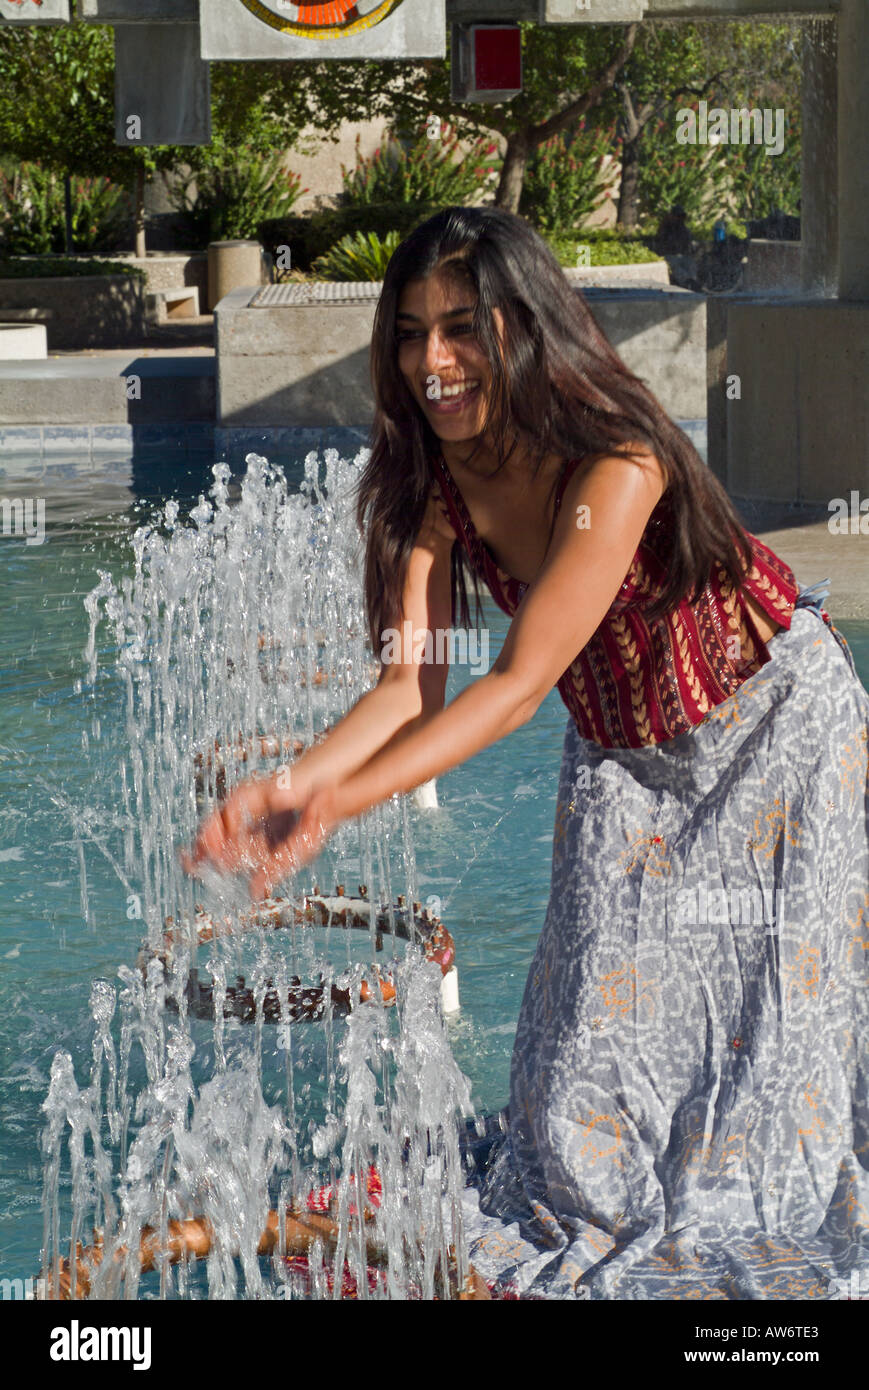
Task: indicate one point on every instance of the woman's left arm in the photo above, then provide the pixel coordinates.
(581, 575)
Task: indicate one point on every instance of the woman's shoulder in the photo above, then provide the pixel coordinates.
(577, 470)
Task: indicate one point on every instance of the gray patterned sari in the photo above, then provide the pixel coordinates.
(689, 1106)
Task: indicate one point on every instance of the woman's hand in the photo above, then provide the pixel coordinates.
(263, 831)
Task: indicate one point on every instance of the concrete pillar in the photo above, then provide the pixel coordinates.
(853, 154)
(232, 264)
(820, 192)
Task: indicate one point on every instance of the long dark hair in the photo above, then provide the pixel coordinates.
(555, 378)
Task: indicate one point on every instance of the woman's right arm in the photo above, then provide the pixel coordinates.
(408, 693)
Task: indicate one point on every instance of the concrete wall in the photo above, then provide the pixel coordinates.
(79, 311)
(318, 160)
(799, 433)
(308, 364)
(773, 265)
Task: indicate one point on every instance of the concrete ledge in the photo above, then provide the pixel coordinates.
(117, 389)
(648, 275)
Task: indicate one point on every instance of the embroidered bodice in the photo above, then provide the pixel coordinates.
(638, 680)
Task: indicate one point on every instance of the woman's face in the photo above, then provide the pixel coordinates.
(440, 359)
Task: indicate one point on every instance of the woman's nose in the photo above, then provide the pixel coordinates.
(438, 353)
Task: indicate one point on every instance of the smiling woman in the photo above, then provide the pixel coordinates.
(688, 1098)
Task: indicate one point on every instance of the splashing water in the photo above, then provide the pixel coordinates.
(238, 638)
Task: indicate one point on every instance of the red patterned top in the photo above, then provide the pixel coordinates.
(638, 680)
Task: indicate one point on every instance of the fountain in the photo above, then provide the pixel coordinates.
(209, 1152)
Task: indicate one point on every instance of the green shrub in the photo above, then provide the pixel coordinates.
(606, 248)
(360, 257)
(235, 200)
(430, 170)
(705, 231)
(564, 183)
(32, 213)
(313, 235)
(44, 266)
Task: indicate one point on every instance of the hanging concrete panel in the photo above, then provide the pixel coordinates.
(324, 29)
(162, 87)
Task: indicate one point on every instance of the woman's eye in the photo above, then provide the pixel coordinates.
(405, 335)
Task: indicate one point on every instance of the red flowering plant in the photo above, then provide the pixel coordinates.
(32, 212)
(565, 182)
(695, 177)
(429, 168)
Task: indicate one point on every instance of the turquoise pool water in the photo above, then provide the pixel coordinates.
(485, 853)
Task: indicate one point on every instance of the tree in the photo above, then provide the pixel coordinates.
(668, 63)
(567, 74)
(57, 108)
(731, 65)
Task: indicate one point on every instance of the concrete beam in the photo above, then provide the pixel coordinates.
(140, 11)
(482, 11)
(47, 12)
(774, 10)
(591, 11)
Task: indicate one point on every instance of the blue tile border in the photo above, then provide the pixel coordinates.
(229, 443)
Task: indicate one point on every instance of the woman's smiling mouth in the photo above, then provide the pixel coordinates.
(449, 397)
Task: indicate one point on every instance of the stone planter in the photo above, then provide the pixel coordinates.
(78, 311)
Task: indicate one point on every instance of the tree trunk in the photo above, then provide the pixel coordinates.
(140, 210)
(512, 172)
(629, 189)
(67, 215)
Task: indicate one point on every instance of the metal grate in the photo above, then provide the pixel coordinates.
(318, 292)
